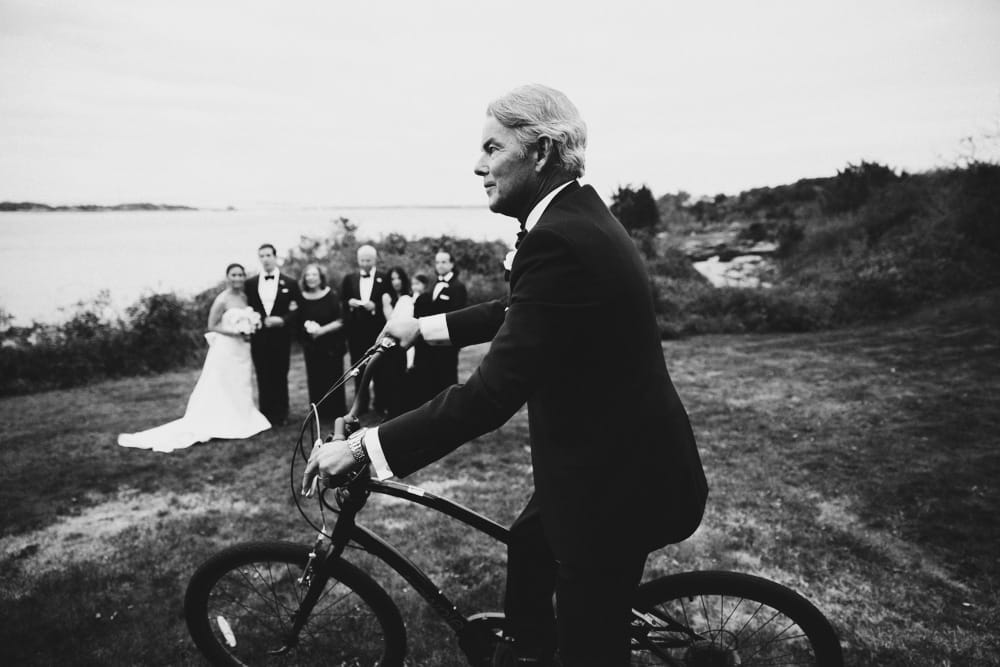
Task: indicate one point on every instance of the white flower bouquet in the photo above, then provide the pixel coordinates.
(247, 321)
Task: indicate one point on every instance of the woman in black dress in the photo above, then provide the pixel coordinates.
(392, 374)
(322, 338)
(418, 382)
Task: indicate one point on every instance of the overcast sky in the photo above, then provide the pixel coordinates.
(331, 102)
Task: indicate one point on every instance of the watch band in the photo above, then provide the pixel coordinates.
(358, 451)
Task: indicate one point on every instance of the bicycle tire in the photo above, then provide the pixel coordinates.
(240, 600)
(738, 619)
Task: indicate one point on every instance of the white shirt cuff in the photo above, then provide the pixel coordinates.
(374, 448)
(434, 329)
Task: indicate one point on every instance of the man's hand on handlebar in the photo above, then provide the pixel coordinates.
(332, 457)
(406, 330)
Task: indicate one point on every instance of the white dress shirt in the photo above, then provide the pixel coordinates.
(366, 285)
(434, 330)
(267, 290)
(441, 284)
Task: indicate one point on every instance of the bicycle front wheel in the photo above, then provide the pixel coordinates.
(240, 603)
(728, 618)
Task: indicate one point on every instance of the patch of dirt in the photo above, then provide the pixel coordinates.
(89, 535)
(838, 514)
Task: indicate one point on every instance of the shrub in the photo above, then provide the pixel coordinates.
(852, 187)
(161, 331)
(976, 205)
(635, 209)
(165, 332)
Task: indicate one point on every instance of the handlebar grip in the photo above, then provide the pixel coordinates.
(373, 353)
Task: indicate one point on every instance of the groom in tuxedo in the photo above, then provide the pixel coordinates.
(274, 296)
(615, 466)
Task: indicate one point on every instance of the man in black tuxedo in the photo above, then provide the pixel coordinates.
(448, 294)
(274, 296)
(361, 303)
(615, 465)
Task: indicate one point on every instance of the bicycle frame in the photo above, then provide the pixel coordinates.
(472, 631)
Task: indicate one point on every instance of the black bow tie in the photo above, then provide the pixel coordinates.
(520, 237)
(268, 277)
(366, 274)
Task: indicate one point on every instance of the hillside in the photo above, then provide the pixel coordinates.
(865, 244)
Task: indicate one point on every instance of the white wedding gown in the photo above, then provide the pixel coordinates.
(221, 405)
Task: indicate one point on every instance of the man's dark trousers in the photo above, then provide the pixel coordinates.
(594, 594)
(269, 349)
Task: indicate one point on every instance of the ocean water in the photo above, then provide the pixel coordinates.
(51, 261)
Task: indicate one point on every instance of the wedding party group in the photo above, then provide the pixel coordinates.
(253, 322)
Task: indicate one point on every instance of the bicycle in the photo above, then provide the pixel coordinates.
(271, 603)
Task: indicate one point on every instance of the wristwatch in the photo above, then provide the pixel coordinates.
(358, 451)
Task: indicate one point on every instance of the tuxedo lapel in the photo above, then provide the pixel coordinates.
(253, 298)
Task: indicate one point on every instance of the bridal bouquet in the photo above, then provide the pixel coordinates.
(247, 321)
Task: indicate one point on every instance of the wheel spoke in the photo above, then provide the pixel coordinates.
(716, 618)
(256, 589)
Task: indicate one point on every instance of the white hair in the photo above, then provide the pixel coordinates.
(534, 111)
(367, 250)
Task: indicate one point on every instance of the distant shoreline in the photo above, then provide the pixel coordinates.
(9, 206)
(35, 207)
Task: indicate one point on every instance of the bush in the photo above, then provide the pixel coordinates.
(165, 332)
(635, 209)
(976, 205)
(918, 239)
(852, 187)
(687, 308)
(161, 332)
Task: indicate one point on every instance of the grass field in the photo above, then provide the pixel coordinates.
(858, 466)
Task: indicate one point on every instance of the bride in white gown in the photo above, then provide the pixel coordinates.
(221, 405)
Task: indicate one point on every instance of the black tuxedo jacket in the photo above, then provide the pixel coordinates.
(613, 454)
(288, 291)
(452, 297)
(441, 361)
(363, 326)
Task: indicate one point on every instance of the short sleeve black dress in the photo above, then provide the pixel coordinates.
(324, 356)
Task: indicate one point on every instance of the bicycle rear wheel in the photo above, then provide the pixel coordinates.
(239, 606)
(728, 618)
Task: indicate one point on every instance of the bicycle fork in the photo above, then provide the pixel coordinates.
(314, 574)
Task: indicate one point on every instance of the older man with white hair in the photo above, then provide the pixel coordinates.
(361, 304)
(615, 465)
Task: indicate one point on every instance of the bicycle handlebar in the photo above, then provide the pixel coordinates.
(350, 422)
(369, 361)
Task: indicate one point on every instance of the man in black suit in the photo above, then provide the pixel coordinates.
(361, 303)
(274, 296)
(448, 294)
(615, 465)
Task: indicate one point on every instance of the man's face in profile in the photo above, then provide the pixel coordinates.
(508, 170)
